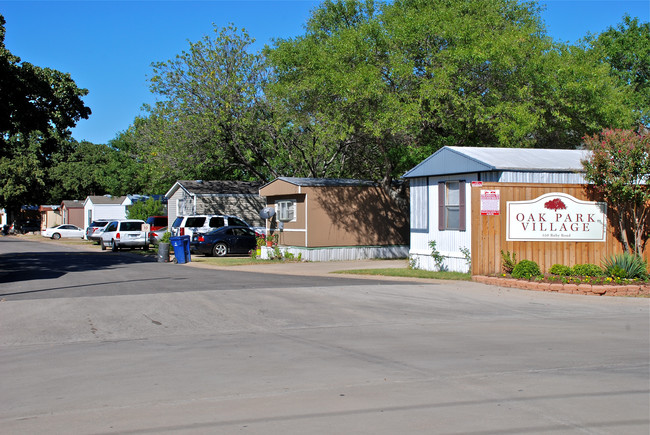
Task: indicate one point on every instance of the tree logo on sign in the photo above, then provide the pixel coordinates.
(555, 205)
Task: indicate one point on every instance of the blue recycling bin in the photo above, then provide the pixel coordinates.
(181, 245)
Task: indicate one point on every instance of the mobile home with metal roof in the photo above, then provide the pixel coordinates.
(440, 186)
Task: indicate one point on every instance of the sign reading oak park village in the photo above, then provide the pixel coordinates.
(556, 217)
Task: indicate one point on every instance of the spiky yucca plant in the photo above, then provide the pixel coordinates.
(633, 265)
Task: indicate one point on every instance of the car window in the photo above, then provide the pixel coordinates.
(177, 222)
(131, 226)
(111, 227)
(217, 222)
(160, 221)
(237, 222)
(195, 222)
(243, 232)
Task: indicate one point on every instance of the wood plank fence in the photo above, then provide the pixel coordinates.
(489, 232)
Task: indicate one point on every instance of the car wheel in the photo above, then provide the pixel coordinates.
(56, 236)
(103, 246)
(114, 247)
(219, 250)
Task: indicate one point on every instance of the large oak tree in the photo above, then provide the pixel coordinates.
(38, 107)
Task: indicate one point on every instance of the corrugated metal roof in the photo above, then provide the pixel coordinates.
(326, 182)
(220, 187)
(460, 160)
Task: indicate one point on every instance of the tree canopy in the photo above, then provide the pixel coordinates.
(368, 91)
(397, 81)
(38, 106)
(626, 49)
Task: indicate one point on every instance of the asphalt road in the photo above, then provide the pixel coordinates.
(105, 343)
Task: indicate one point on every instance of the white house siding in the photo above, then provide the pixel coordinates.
(346, 253)
(181, 203)
(103, 211)
(448, 243)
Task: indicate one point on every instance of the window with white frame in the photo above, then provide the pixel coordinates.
(451, 215)
(286, 210)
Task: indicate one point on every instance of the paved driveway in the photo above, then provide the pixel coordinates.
(190, 350)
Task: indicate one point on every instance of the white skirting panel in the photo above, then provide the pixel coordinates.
(347, 252)
(426, 262)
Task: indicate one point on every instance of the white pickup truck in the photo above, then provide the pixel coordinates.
(125, 234)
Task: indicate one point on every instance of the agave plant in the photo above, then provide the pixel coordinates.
(630, 265)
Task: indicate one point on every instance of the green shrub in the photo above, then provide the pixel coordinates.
(560, 269)
(628, 265)
(165, 237)
(617, 271)
(143, 209)
(587, 269)
(526, 269)
(508, 263)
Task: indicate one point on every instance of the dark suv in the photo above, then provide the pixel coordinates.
(30, 226)
(94, 230)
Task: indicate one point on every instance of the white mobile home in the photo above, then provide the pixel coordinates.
(440, 186)
(104, 207)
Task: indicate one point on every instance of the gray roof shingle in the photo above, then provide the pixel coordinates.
(220, 187)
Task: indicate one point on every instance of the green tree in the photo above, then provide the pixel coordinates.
(38, 106)
(84, 168)
(143, 209)
(626, 48)
(391, 83)
(212, 118)
(619, 168)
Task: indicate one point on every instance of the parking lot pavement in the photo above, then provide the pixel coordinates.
(137, 347)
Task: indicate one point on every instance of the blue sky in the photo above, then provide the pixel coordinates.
(108, 46)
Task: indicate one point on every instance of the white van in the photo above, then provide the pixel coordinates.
(188, 225)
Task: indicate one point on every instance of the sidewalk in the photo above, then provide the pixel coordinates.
(320, 268)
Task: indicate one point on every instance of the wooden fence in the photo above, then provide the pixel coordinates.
(489, 232)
